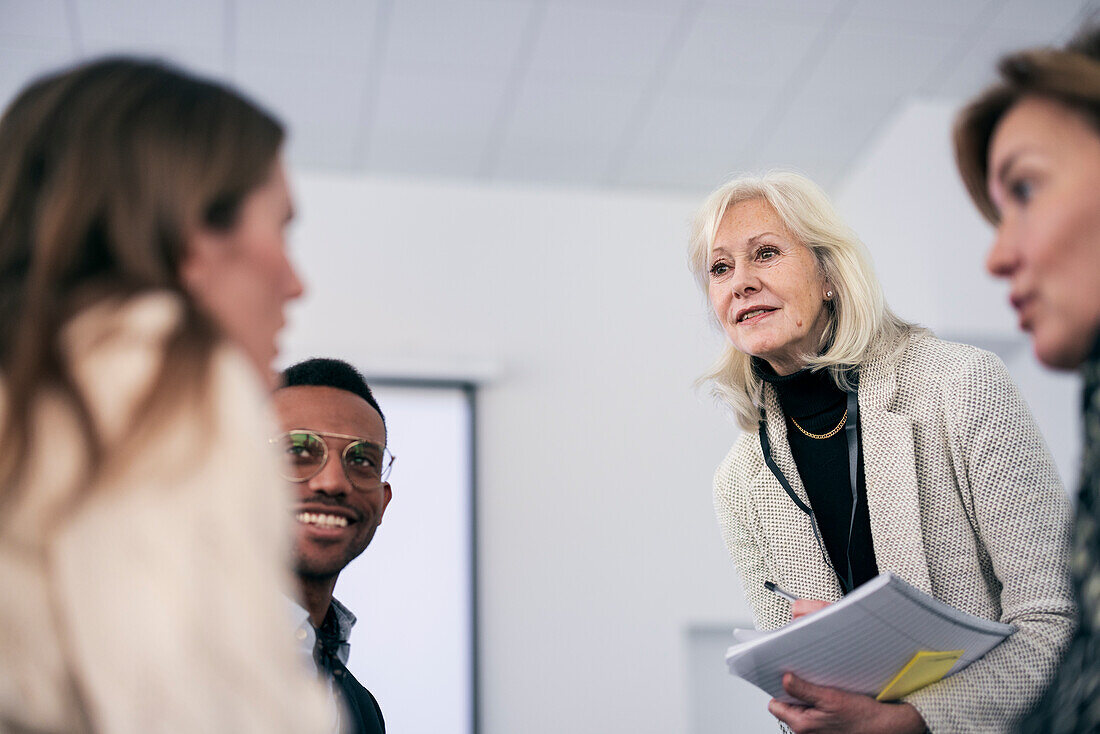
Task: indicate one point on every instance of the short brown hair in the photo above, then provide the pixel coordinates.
(1069, 76)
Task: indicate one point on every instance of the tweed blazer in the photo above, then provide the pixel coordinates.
(965, 504)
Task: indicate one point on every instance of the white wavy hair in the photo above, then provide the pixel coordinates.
(859, 321)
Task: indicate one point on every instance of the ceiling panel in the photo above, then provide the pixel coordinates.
(694, 141)
(40, 19)
(35, 37)
(590, 41)
(1017, 24)
(319, 98)
(547, 107)
(429, 103)
(1049, 19)
(561, 160)
(142, 23)
(336, 28)
(1013, 25)
(729, 49)
(791, 9)
(926, 14)
(873, 57)
(192, 36)
(591, 115)
(478, 35)
(976, 68)
(450, 154)
(599, 92)
(632, 5)
(447, 118)
(824, 132)
(311, 65)
(25, 58)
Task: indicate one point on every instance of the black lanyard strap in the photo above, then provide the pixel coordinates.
(766, 446)
(850, 433)
(853, 471)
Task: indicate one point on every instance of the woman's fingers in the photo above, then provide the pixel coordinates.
(803, 607)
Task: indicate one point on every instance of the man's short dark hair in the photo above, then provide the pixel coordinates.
(324, 372)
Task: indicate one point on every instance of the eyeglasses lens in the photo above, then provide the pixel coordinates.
(305, 455)
(363, 462)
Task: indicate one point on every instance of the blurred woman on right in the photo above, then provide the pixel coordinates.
(1028, 150)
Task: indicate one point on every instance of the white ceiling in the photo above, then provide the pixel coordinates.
(670, 94)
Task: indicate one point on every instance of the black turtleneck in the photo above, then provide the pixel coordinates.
(817, 404)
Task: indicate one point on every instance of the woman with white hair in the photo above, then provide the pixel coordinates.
(872, 446)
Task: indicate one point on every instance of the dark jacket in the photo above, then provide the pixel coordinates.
(364, 715)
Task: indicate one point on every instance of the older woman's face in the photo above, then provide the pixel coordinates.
(1044, 179)
(766, 288)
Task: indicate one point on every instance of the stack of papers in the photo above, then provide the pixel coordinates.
(885, 639)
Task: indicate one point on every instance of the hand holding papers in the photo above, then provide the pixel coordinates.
(869, 642)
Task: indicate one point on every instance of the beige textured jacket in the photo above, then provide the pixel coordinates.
(965, 504)
(150, 601)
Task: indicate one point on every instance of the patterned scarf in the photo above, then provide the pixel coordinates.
(1072, 704)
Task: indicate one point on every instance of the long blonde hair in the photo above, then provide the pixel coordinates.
(106, 169)
(859, 321)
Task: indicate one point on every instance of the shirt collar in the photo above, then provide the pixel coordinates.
(802, 394)
(306, 636)
(335, 631)
(345, 620)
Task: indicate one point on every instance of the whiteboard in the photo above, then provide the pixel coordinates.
(412, 588)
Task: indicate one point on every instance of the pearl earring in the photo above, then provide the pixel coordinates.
(828, 294)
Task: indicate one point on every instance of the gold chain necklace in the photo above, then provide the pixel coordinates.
(820, 436)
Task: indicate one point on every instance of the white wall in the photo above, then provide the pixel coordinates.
(598, 542)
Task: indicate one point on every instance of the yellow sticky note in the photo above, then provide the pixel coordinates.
(925, 668)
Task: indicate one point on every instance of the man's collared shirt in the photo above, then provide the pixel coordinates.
(306, 637)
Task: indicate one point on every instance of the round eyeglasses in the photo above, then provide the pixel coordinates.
(366, 464)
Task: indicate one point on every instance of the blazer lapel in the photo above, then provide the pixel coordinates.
(890, 470)
(797, 557)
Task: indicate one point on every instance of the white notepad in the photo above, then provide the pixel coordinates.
(862, 642)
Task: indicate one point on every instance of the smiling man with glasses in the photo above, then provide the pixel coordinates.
(334, 441)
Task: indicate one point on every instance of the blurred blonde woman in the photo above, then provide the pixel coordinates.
(142, 529)
(872, 446)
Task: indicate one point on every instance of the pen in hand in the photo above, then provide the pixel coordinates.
(781, 593)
